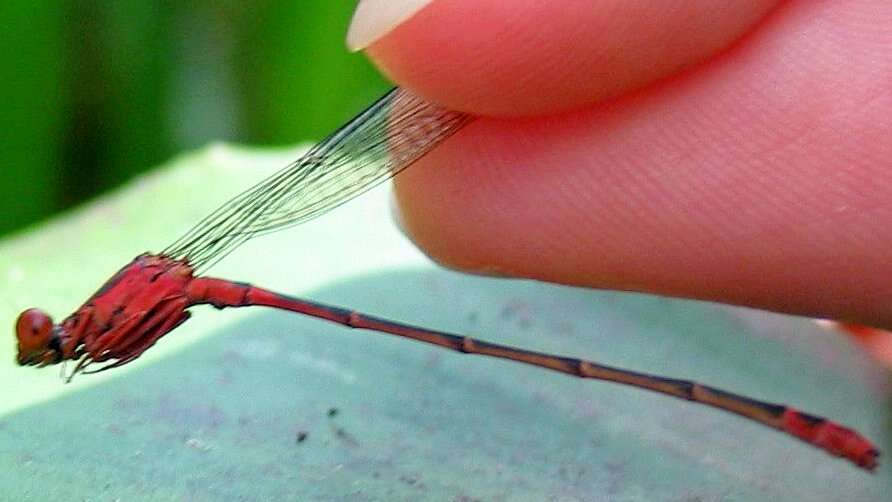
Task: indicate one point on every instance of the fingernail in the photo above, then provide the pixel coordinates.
(375, 18)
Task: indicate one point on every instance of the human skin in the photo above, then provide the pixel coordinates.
(740, 154)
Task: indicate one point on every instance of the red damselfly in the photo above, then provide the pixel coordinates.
(151, 296)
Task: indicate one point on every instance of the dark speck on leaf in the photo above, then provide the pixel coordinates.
(346, 437)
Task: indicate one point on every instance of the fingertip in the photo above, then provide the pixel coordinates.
(528, 57)
(715, 186)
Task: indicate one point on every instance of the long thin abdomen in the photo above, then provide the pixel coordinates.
(818, 431)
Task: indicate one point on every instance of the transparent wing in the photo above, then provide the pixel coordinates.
(387, 137)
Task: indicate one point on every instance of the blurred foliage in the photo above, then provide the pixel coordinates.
(97, 91)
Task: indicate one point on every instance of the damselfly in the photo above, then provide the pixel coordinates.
(151, 296)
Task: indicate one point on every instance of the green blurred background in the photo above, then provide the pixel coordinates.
(97, 91)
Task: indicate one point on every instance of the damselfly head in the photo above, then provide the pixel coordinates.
(38, 339)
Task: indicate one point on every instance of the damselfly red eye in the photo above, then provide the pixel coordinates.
(34, 331)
